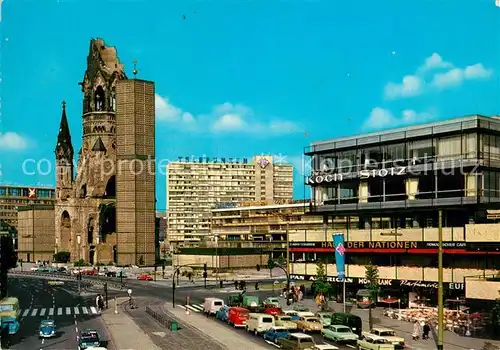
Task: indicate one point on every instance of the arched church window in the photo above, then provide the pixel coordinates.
(99, 98)
(113, 99)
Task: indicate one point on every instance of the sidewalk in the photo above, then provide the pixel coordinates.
(123, 331)
(222, 334)
(405, 329)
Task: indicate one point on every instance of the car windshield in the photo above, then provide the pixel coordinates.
(47, 324)
(306, 340)
(285, 318)
(267, 320)
(326, 316)
(343, 330)
(218, 303)
(280, 329)
(380, 341)
(387, 333)
(89, 337)
(244, 314)
(313, 320)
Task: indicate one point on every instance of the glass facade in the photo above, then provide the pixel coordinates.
(451, 165)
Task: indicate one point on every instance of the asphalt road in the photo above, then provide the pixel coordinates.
(39, 299)
(197, 295)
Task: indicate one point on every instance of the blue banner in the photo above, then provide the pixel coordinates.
(338, 243)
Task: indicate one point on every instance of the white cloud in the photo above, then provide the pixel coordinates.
(224, 118)
(165, 111)
(238, 118)
(229, 122)
(434, 61)
(381, 118)
(411, 85)
(456, 76)
(12, 141)
(415, 84)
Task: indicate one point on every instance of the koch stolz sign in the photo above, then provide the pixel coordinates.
(318, 178)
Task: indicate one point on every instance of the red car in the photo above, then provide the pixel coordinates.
(145, 278)
(271, 309)
(237, 316)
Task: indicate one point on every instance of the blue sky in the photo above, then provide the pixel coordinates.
(237, 78)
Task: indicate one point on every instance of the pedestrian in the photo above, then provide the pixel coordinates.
(101, 304)
(426, 331)
(416, 331)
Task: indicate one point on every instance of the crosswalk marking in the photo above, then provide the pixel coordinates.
(193, 307)
(66, 311)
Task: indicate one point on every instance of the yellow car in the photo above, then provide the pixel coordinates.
(285, 321)
(309, 324)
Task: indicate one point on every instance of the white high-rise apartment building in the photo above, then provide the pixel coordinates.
(194, 188)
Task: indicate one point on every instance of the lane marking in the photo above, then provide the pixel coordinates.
(42, 312)
(26, 312)
(76, 329)
(68, 311)
(77, 312)
(33, 313)
(59, 311)
(51, 311)
(85, 310)
(351, 346)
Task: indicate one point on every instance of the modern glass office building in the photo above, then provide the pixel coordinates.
(407, 173)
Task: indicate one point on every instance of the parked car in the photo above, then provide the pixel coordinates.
(272, 309)
(88, 339)
(285, 321)
(297, 341)
(373, 342)
(222, 313)
(275, 333)
(325, 318)
(339, 334)
(325, 347)
(272, 301)
(309, 324)
(237, 316)
(145, 277)
(352, 321)
(292, 313)
(211, 305)
(47, 329)
(259, 323)
(390, 336)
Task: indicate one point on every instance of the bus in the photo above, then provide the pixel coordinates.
(9, 314)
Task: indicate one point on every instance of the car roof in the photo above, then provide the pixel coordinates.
(382, 329)
(300, 335)
(239, 308)
(373, 336)
(339, 326)
(47, 322)
(280, 328)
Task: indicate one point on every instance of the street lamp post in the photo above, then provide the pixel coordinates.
(79, 242)
(216, 260)
(57, 246)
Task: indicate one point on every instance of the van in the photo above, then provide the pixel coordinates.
(259, 323)
(352, 321)
(237, 316)
(212, 305)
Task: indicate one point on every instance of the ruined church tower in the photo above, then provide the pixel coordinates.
(85, 215)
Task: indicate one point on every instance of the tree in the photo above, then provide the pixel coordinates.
(322, 285)
(271, 264)
(371, 275)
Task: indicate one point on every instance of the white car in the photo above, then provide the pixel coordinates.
(325, 347)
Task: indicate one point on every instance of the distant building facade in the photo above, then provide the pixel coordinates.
(36, 237)
(13, 197)
(195, 187)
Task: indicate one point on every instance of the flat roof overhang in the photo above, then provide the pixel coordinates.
(407, 206)
(454, 125)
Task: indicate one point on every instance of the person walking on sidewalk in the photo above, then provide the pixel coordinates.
(426, 330)
(416, 331)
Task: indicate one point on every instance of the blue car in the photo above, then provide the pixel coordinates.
(47, 329)
(222, 313)
(275, 333)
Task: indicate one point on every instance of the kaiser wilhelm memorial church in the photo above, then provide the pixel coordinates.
(104, 210)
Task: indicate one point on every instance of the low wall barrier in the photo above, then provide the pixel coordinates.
(89, 280)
